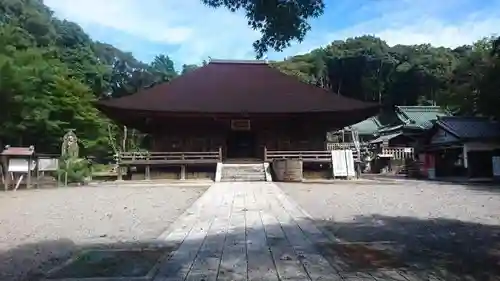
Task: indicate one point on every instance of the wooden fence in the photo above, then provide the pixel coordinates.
(149, 159)
(152, 158)
(340, 146)
(399, 152)
(305, 156)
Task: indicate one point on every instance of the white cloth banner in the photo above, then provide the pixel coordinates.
(349, 160)
(338, 163)
(343, 163)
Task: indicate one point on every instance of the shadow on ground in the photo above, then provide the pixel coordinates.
(442, 248)
(436, 249)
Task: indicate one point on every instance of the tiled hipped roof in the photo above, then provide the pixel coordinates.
(368, 126)
(476, 128)
(238, 87)
(420, 116)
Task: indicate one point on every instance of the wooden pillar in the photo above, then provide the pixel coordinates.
(147, 172)
(465, 151)
(28, 176)
(66, 163)
(91, 167)
(183, 172)
(119, 175)
(5, 170)
(37, 173)
(58, 174)
(358, 168)
(119, 172)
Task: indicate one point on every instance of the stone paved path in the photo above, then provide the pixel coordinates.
(251, 231)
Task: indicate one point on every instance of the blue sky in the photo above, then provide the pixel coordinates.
(189, 32)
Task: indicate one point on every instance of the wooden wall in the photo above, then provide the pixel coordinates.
(210, 134)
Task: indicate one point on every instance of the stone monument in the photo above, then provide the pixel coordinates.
(69, 148)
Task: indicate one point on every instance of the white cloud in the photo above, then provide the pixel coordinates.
(424, 21)
(124, 15)
(441, 34)
(195, 31)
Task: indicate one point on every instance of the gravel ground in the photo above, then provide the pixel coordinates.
(424, 200)
(40, 228)
(433, 231)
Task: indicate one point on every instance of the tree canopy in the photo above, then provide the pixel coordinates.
(366, 68)
(52, 72)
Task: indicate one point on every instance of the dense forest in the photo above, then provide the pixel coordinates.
(464, 79)
(51, 72)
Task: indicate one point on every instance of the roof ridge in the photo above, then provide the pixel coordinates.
(426, 106)
(444, 126)
(421, 108)
(376, 121)
(222, 61)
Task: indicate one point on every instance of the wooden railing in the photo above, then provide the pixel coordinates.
(346, 146)
(306, 156)
(340, 146)
(152, 158)
(399, 152)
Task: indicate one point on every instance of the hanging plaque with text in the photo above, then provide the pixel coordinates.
(240, 125)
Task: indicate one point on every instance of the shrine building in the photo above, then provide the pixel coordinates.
(232, 112)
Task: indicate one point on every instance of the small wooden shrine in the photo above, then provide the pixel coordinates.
(18, 166)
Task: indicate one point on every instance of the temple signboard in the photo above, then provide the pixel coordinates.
(240, 125)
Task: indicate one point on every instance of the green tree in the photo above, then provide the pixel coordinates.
(163, 69)
(462, 79)
(51, 73)
(188, 68)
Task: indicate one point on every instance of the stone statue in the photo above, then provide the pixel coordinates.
(70, 145)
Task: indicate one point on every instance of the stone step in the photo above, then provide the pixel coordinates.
(244, 169)
(245, 176)
(225, 171)
(241, 180)
(243, 172)
(226, 179)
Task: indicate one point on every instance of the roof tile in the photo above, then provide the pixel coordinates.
(471, 127)
(237, 87)
(420, 116)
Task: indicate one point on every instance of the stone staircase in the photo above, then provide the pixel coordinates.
(243, 172)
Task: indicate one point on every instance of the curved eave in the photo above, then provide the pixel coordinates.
(110, 105)
(137, 118)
